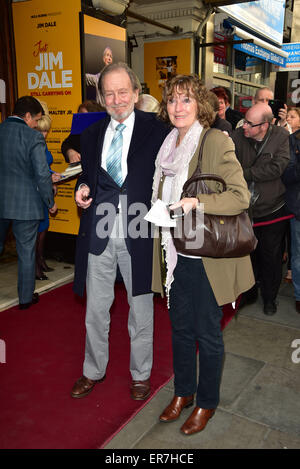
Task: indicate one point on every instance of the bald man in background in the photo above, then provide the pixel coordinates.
(263, 151)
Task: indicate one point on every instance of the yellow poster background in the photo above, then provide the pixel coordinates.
(47, 41)
(162, 59)
(94, 26)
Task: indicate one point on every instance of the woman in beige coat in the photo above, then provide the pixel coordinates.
(197, 288)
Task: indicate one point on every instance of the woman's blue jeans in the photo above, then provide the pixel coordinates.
(195, 318)
(295, 254)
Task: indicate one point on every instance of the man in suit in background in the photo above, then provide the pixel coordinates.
(116, 186)
(26, 184)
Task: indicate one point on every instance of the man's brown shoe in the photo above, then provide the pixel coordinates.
(84, 386)
(173, 411)
(298, 306)
(197, 420)
(140, 390)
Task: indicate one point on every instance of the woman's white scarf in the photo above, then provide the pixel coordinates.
(177, 166)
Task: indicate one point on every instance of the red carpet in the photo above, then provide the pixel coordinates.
(44, 355)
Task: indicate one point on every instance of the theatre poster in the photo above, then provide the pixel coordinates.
(164, 59)
(48, 59)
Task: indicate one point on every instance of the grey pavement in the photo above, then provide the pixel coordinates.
(260, 404)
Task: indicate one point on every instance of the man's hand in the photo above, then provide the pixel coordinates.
(282, 113)
(74, 156)
(53, 209)
(82, 198)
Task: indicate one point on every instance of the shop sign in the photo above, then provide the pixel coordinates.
(293, 60)
(220, 51)
(260, 52)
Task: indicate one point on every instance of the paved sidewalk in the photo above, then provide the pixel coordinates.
(260, 405)
(62, 273)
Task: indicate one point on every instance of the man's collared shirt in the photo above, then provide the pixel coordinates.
(127, 134)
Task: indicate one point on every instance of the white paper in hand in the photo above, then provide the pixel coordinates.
(159, 215)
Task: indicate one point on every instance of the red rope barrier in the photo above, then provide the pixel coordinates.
(270, 222)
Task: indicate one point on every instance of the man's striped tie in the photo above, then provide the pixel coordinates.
(114, 156)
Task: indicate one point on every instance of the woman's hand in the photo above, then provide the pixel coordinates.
(187, 204)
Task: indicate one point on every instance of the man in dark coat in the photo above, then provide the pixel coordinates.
(291, 179)
(263, 151)
(110, 194)
(26, 185)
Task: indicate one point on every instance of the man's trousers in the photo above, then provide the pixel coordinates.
(100, 282)
(25, 233)
(267, 257)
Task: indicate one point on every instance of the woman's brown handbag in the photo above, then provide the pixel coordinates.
(221, 236)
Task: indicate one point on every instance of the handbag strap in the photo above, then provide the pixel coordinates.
(200, 154)
(204, 176)
(198, 175)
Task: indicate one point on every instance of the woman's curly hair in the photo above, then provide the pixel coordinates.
(189, 85)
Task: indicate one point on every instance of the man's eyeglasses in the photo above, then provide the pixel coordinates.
(250, 124)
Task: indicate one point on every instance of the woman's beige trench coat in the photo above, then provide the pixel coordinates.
(231, 276)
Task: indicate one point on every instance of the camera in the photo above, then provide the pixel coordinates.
(275, 105)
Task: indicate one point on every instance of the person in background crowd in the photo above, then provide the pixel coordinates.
(147, 103)
(26, 186)
(94, 79)
(44, 126)
(219, 123)
(118, 156)
(291, 179)
(225, 110)
(293, 121)
(263, 151)
(197, 287)
(263, 95)
(293, 118)
(70, 147)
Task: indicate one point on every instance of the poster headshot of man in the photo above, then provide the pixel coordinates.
(92, 79)
(104, 44)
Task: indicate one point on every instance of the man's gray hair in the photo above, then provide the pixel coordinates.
(135, 82)
(262, 89)
(267, 117)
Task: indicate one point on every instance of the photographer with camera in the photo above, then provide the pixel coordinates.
(279, 108)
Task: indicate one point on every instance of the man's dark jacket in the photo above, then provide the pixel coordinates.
(222, 124)
(267, 170)
(71, 142)
(233, 116)
(25, 179)
(147, 137)
(291, 176)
